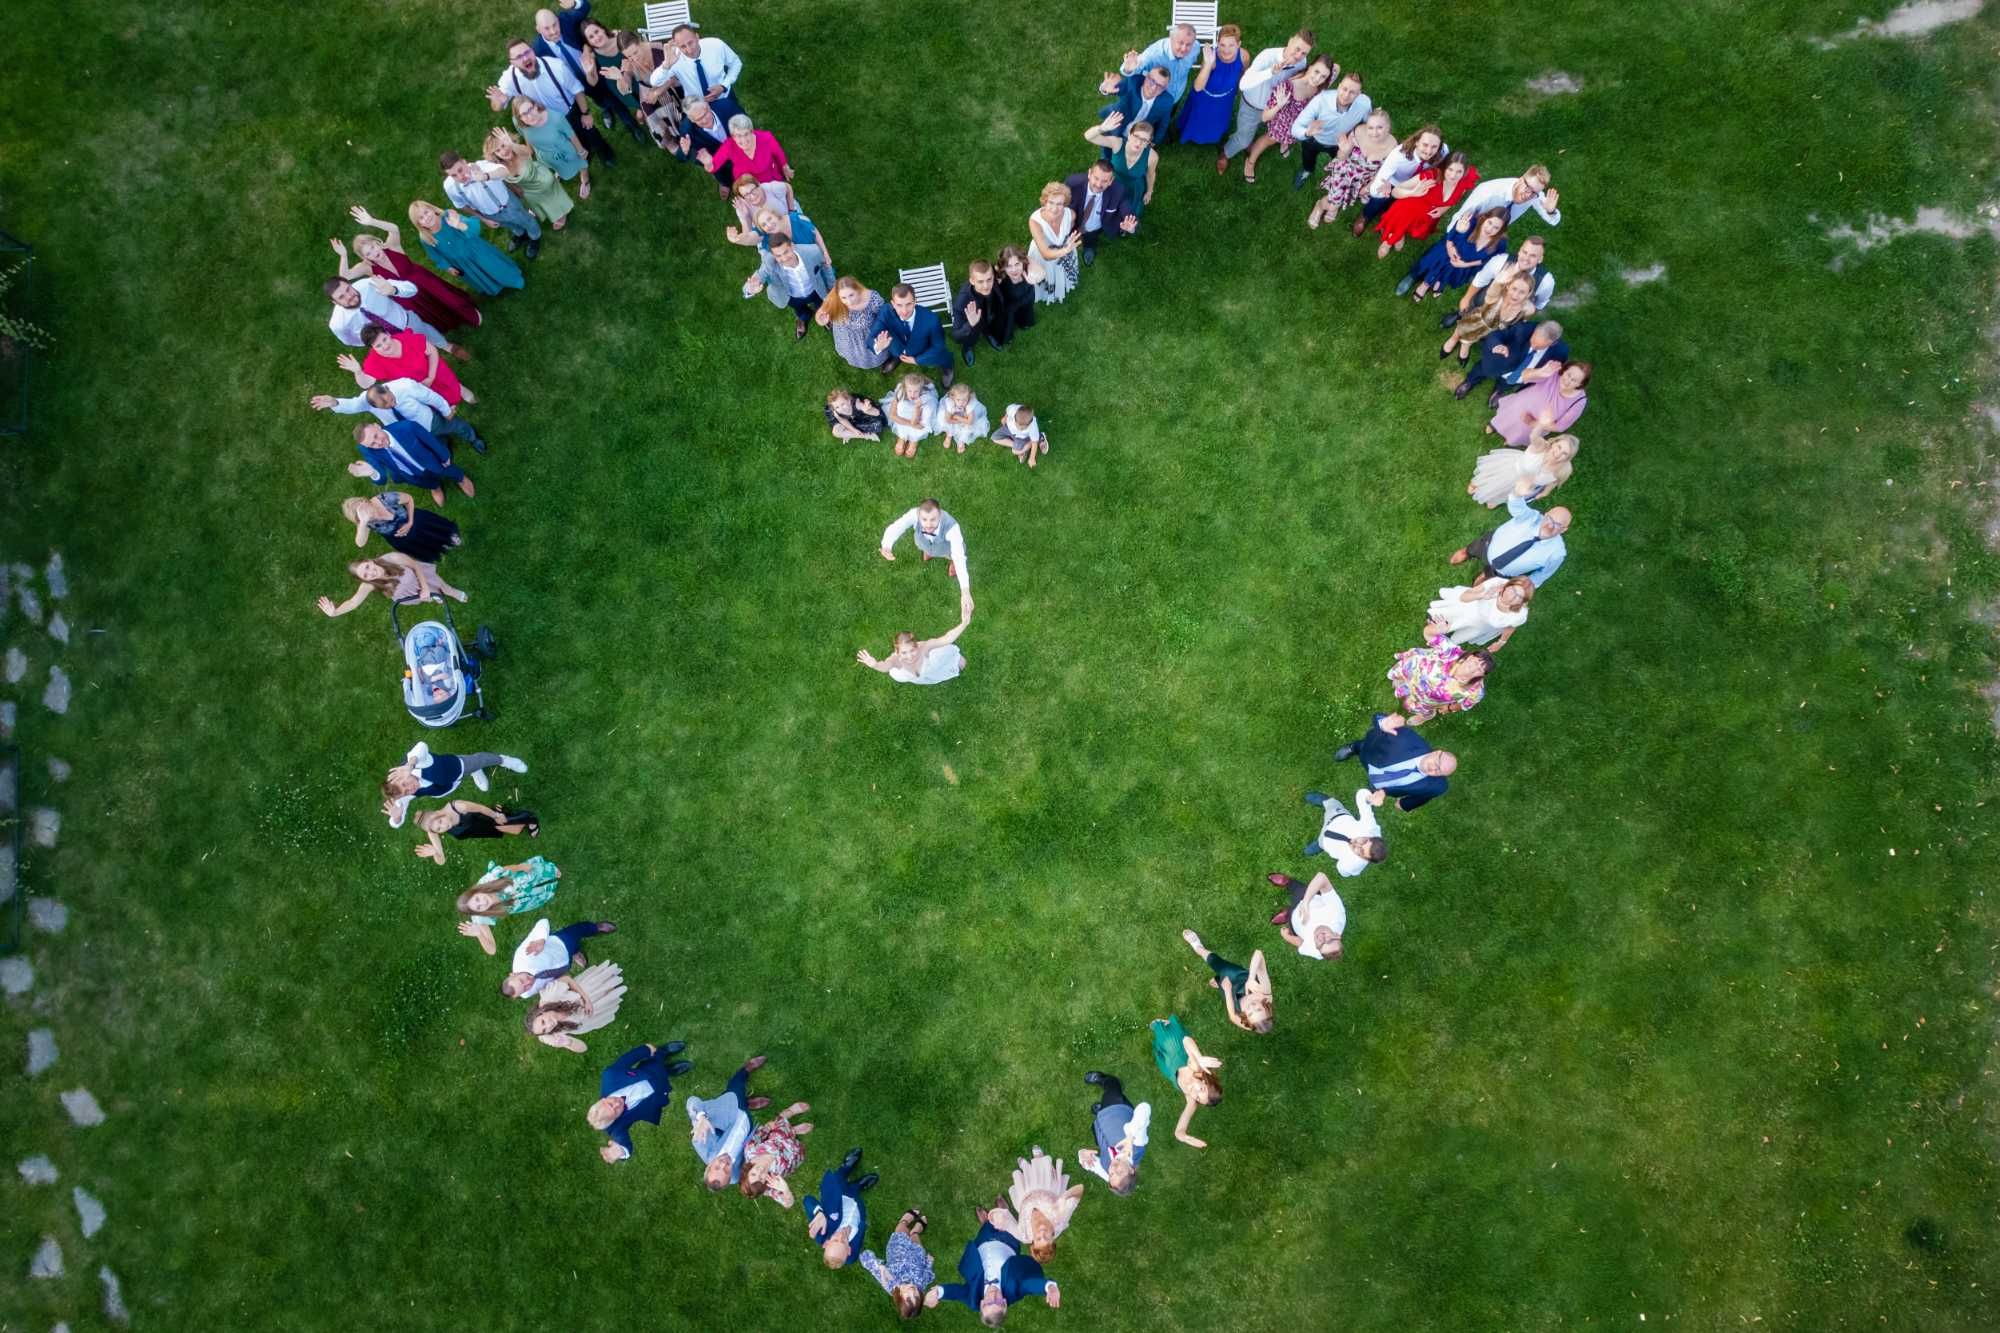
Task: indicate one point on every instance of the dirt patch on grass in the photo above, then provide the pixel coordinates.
(1919, 18)
(1880, 229)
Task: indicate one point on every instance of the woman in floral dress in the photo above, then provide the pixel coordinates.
(1346, 180)
(1288, 100)
(848, 314)
(506, 891)
(772, 1153)
(904, 1269)
(1441, 677)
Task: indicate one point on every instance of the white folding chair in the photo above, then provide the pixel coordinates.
(661, 20)
(1201, 17)
(932, 287)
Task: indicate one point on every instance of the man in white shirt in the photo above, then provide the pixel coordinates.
(1328, 121)
(356, 305)
(545, 955)
(1501, 269)
(936, 534)
(551, 86)
(1315, 919)
(1517, 194)
(707, 71)
(1354, 841)
(474, 187)
(1278, 62)
(404, 400)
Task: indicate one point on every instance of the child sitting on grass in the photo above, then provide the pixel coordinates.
(961, 417)
(853, 418)
(913, 413)
(1020, 432)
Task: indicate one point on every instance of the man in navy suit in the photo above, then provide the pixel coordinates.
(404, 451)
(837, 1219)
(1401, 763)
(1143, 96)
(1517, 355)
(1098, 200)
(994, 1274)
(634, 1088)
(909, 334)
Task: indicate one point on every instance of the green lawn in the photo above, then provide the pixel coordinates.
(1645, 1019)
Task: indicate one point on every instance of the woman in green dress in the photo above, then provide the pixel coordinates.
(554, 143)
(1131, 159)
(1246, 991)
(505, 891)
(1184, 1066)
(453, 242)
(540, 190)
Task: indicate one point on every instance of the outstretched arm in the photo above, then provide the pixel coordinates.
(392, 235)
(952, 637)
(1181, 1129)
(346, 266)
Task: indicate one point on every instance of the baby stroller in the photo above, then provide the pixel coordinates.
(438, 673)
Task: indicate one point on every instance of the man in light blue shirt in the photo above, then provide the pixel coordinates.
(1528, 545)
(1176, 53)
(721, 1126)
(1327, 123)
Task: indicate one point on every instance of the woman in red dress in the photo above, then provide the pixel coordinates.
(398, 355)
(1416, 216)
(439, 303)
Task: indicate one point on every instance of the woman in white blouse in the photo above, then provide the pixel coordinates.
(1397, 176)
(1053, 238)
(1486, 612)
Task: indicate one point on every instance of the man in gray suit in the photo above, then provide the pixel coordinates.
(793, 275)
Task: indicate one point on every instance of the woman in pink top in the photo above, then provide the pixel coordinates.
(1552, 404)
(752, 152)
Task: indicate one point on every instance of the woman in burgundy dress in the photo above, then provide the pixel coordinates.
(442, 305)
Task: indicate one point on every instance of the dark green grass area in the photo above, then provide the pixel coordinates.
(1643, 1019)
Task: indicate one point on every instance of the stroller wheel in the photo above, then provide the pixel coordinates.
(484, 641)
(484, 714)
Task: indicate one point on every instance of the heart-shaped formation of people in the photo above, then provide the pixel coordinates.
(578, 78)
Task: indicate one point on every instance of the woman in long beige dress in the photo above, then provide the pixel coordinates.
(1545, 462)
(571, 1005)
(1042, 1202)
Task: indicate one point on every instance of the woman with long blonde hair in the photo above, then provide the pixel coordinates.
(453, 242)
(571, 1005)
(540, 190)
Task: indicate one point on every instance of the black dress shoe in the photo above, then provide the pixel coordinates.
(478, 445)
(673, 1048)
(1464, 388)
(679, 1067)
(966, 352)
(1493, 400)
(949, 375)
(534, 247)
(852, 1160)
(1343, 754)
(867, 1182)
(1089, 256)
(1093, 1078)
(994, 343)
(1447, 319)
(798, 331)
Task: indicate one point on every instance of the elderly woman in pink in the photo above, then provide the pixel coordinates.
(1552, 404)
(751, 152)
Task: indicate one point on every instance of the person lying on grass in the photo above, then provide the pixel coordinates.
(1246, 991)
(1184, 1066)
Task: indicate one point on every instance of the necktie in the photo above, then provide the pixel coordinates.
(701, 75)
(1395, 775)
(1329, 833)
(1500, 565)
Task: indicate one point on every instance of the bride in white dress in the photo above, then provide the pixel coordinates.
(920, 661)
(1489, 610)
(1545, 462)
(569, 1005)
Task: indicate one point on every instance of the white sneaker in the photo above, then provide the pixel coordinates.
(512, 765)
(479, 780)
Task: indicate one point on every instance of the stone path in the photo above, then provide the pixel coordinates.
(33, 665)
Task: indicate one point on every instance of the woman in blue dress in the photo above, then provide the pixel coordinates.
(1211, 105)
(453, 242)
(555, 144)
(1460, 253)
(921, 661)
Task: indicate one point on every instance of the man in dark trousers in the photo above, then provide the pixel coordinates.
(1516, 356)
(1098, 201)
(632, 1089)
(1401, 763)
(837, 1219)
(909, 334)
(972, 310)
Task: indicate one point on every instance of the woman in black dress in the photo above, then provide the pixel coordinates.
(470, 819)
(1014, 278)
(392, 515)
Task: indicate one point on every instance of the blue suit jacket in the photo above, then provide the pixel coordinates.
(433, 459)
(1515, 339)
(1381, 749)
(1129, 98)
(832, 1200)
(921, 339)
(1020, 1276)
(636, 1064)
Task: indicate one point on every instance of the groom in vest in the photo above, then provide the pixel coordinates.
(1400, 763)
(938, 536)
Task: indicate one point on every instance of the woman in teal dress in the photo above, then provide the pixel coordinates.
(505, 891)
(1189, 1070)
(453, 242)
(1131, 159)
(554, 143)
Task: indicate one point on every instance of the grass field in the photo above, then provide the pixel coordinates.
(1681, 1005)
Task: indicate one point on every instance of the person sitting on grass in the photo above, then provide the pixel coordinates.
(1313, 919)
(1246, 991)
(1020, 432)
(505, 891)
(913, 413)
(853, 417)
(1121, 1130)
(720, 1126)
(904, 1268)
(921, 661)
(632, 1090)
(962, 417)
(469, 819)
(1183, 1065)
(837, 1219)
